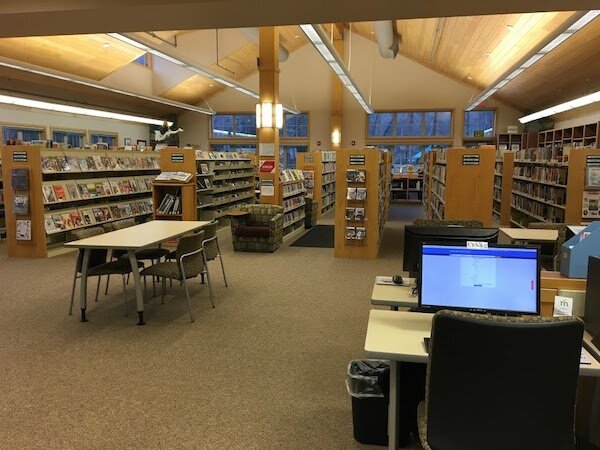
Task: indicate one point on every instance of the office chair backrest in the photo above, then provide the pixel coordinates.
(499, 383)
(97, 255)
(210, 248)
(193, 265)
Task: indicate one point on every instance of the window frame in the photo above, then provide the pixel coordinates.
(84, 133)
(447, 142)
(230, 139)
(104, 133)
(395, 138)
(484, 138)
(283, 137)
(25, 126)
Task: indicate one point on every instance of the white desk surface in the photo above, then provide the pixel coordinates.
(398, 336)
(388, 295)
(525, 234)
(139, 236)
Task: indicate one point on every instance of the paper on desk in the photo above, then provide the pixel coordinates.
(387, 281)
(584, 359)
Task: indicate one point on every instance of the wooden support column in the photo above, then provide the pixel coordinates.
(268, 138)
(337, 88)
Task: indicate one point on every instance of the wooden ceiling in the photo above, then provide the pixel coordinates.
(91, 56)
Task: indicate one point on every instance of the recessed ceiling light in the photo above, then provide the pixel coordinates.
(469, 78)
(487, 53)
(510, 27)
(106, 45)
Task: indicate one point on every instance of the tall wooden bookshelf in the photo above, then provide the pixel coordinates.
(503, 186)
(516, 141)
(428, 164)
(293, 191)
(319, 173)
(360, 215)
(462, 184)
(174, 159)
(549, 185)
(580, 136)
(69, 189)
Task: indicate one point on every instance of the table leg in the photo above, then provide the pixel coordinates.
(83, 283)
(393, 407)
(139, 294)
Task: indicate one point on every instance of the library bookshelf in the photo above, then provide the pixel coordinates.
(362, 199)
(293, 191)
(428, 164)
(549, 185)
(462, 183)
(53, 192)
(319, 175)
(516, 141)
(580, 136)
(406, 188)
(503, 172)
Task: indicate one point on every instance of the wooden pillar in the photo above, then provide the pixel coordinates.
(268, 138)
(337, 88)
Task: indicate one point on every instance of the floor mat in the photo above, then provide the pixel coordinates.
(322, 236)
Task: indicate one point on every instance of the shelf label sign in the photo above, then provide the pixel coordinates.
(357, 160)
(592, 161)
(267, 188)
(309, 159)
(267, 166)
(470, 160)
(19, 156)
(266, 149)
(177, 158)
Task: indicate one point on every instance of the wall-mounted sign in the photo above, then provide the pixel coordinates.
(357, 160)
(266, 149)
(470, 160)
(177, 158)
(592, 161)
(267, 166)
(19, 156)
(267, 188)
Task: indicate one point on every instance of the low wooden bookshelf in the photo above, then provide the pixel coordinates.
(587, 135)
(407, 188)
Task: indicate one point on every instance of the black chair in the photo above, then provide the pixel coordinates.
(499, 383)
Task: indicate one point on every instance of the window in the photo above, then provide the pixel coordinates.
(410, 124)
(233, 126)
(242, 148)
(71, 138)
(294, 126)
(287, 155)
(104, 138)
(481, 120)
(403, 154)
(21, 134)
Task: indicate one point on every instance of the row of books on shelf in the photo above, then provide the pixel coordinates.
(439, 172)
(356, 194)
(551, 153)
(203, 183)
(356, 233)
(547, 193)
(541, 211)
(208, 168)
(96, 163)
(328, 156)
(287, 175)
(57, 221)
(328, 200)
(441, 154)
(232, 185)
(203, 154)
(355, 213)
(170, 204)
(309, 182)
(437, 206)
(328, 189)
(293, 188)
(293, 216)
(223, 211)
(229, 198)
(71, 190)
(439, 189)
(328, 167)
(557, 175)
(356, 176)
(293, 203)
(497, 194)
(328, 178)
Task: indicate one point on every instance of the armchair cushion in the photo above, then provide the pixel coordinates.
(259, 231)
(253, 231)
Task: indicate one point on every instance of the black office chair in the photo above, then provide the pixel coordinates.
(499, 383)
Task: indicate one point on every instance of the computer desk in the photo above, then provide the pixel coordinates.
(398, 337)
(525, 235)
(394, 296)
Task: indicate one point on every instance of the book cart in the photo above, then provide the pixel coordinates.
(362, 198)
(319, 174)
(49, 193)
(461, 184)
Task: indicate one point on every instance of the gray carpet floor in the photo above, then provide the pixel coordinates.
(264, 369)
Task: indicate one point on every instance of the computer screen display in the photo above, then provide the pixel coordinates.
(498, 279)
(591, 315)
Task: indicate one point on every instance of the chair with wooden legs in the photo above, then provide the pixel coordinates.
(189, 263)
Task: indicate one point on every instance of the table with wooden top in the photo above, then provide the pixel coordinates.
(525, 235)
(131, 239)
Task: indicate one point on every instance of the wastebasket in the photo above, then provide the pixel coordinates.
(368, 383)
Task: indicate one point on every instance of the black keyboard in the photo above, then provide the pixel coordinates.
(423, 309)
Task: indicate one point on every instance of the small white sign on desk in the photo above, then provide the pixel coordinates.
(563, 306)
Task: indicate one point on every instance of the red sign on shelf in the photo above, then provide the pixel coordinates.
(267, 166)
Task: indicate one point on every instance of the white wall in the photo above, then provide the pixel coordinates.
(580, 116)
(26, 116)
(195, 129)
(131, 77)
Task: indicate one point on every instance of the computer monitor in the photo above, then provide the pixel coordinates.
(415, 236)
(496, 279)
(591, 315)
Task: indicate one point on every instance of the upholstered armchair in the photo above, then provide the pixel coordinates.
(259, 231)
(445, 223)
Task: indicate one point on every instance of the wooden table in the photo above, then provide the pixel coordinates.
(398, 336)
(130, 239)
(525, 235)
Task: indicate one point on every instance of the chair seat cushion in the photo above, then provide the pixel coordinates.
(246, 231)
(151, 253)
(120, 267)
(163, 270)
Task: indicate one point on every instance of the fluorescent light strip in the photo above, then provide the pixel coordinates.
(571, 104)
(77, 80)
(578, 25)
(49, 106)
(321, 42)
(153, 48)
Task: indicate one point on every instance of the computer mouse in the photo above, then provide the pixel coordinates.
(397, 279)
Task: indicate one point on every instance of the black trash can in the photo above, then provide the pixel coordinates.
(368, 384)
